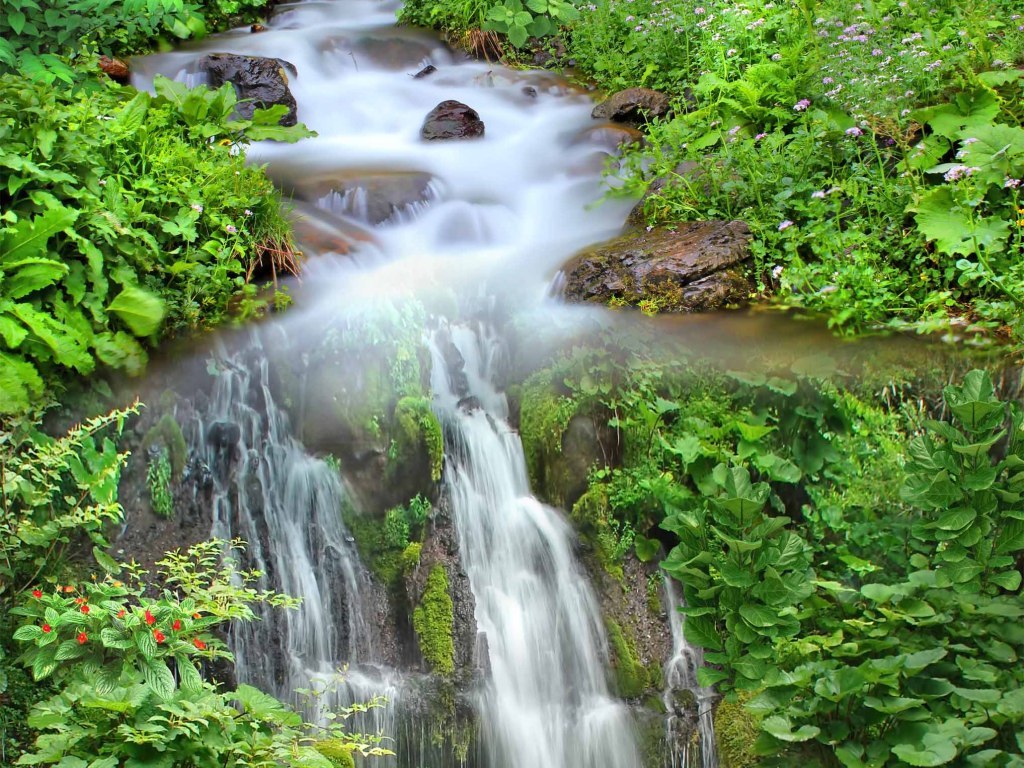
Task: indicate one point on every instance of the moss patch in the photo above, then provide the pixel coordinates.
(434, 620)
(736, 730)
(416, 429)
(543, 418)
(631, 677)
(167, 434)
(411, 557)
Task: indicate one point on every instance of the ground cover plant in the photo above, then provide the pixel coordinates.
(875, 148)
(852, 570)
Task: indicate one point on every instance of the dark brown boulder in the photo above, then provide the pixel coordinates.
(115, 69)
(452, 120)
(696, 267)
(633, 105)
(259, 82)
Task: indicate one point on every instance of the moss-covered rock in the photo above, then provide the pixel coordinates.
(736, 730)
(166, 436)
(632, 679)
(417, 432)
(434, 620)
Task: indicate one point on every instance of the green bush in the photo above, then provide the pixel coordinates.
(434, 619)
(121, 217)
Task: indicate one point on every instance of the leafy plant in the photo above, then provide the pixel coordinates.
(158, 481)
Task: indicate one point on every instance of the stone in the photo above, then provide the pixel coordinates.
(612, 136)
(372, 198)
(696, 267)
(256, 28)
(427, 70)
(452, 120)
(259, 82)
(115, 69)
(633, 105)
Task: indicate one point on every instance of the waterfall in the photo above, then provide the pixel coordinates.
(546, 702)
(681, 675)
(286, 506)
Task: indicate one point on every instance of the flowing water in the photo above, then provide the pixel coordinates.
(546, 701)
(681, 676)
(458, 226)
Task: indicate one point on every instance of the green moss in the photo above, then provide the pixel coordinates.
(736, 730)
(337, 751)
(167, 434)
(434, 621)
(411, 557)
(384, 561)
(544, 416)
(417, 428)
(631, 677)
(592, 515)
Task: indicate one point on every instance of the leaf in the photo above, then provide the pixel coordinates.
(67, 346)
(941, 219)
(158, 677)
(781, 728)
(132, 116)
(701, 632)
(263, 706)
(140, 310)
(31, 275)
(28, 238)
(1008, 580)
(646, 549)
(878, 593)
(935, 754)
(759, 616)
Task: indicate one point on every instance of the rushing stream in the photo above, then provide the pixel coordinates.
(486, 221)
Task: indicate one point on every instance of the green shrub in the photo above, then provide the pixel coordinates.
(434, 620)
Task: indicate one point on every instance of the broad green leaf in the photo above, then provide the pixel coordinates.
(158, 677)
(782, 728)
(919, 755)
(759, 616)
(701, 632)
(954, 229)
(28, 238)
(140, 310)
(262, 706)
(132, 116)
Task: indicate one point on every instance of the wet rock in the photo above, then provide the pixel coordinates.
(259, 82)
(633, 105)
(455, 363)
(427, 70)
(115, 69)
(373, 198)
(223, 435)
(471, 403)
(255, 28)
(530, 91)
(320, 232)
(612, 136)
(401, 49)
(697, 267)
(452, 120)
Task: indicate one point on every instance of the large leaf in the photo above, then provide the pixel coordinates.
(140, 310)
(955, 229)
(701, 632)
(781, 728)
(262, 706)
(28, 237)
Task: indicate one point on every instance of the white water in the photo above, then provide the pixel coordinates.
(503, 214)
(285, 504)
(681, 675)
(546, 702)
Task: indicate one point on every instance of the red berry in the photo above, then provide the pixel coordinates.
(176, 625)
(85, 609)
(199, 644)
(68, 590)
(47, 628)
(37, 593)
(82, 638)
(158, 636)
(120, 614)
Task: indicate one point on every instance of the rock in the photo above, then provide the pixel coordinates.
(633, 105)
(529, 90)
(694, 268)
(115, 69)
(612, 136)
(427, 70)
(257, 28)
(452, 120)
(373, 198)
(258, 81)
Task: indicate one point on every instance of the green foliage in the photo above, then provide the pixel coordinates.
(516, 20)
(54, 490)
(119, 216)
(396, 529)
(630, 676)
(411, 557)
(125, 653)
(417, 429)
(158, 482)
(875, 150)
(434, 621)
(166, 435)
(38, 39)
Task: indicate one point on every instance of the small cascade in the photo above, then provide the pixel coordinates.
(546, 702)
(681, 676)
(286, 506)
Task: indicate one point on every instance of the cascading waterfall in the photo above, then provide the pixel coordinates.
(681, 675)
(546, 702)
(285, 505)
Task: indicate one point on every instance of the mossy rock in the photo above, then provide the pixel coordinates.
(736, 730)
(631, 678)
(167, 434)
(338, 752)
(411, 557)
(434, 622)
(417, 430)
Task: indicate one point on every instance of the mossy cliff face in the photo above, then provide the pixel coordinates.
(736, 730)
(433, 620)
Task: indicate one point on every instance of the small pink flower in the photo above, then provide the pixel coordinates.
(231, 229)
(785, 225)
(802, 105)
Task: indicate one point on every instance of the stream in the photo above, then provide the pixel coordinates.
(478, 242)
